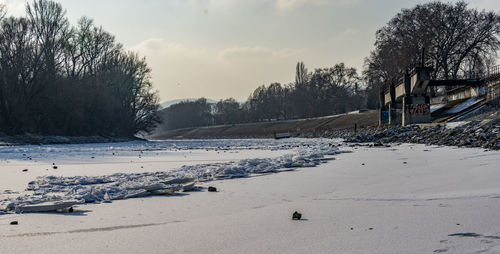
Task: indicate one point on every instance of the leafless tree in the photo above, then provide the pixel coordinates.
(456, 38)
(58, 79)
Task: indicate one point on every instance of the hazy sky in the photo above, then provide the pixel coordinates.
(226, 48)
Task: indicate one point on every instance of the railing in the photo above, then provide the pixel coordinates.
(493, 71)
(494, 94)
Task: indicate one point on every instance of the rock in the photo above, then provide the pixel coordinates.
(54, 167)
(70, 210)
(296, 216)
(212, 189)
(484, 137)
(25, 170)
(14, 222)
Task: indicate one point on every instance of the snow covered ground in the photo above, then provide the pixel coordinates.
(401, 199)
(461, 106)
(437, 107)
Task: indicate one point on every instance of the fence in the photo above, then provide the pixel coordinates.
(494, 93)
(493, 71)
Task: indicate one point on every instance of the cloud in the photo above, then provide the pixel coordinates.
(186, 71)
(346, 2)
(160, 46)
(347, 34)
(255, 53)
(291, 4)
(15, 8)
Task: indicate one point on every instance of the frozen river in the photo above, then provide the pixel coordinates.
(400, 199)
(94, 172)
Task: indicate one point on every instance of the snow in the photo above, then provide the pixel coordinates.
(455, 124)
(436, 107)
(463, 105)
(92, 188)
(401, 199)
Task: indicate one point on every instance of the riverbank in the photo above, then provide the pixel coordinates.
(32, 139)
(475, 133)
(480, 130)
(313, 127)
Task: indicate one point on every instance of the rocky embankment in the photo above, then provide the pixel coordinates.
(485, 134)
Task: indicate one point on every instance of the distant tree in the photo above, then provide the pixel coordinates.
(300, 95)
(301, 74)
(257, 109)
(186, 114)
(327, 91)
(323, 92)
(227, 111)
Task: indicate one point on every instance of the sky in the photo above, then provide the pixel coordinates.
(226, 48)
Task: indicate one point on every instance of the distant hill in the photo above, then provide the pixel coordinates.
(167, 104)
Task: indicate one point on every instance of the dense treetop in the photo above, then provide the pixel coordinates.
(60, 79)
(459, 42)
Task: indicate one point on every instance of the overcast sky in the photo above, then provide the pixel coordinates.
(226, 48)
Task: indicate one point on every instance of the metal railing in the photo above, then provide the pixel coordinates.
(494, 94)
(493, 71)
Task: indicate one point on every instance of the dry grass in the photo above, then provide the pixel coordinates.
(266, 129)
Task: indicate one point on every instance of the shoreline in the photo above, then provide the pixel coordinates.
(33, 139)
(477, 133)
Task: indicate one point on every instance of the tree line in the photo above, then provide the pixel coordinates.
(459, 42)
(60, 79)
(322, 92)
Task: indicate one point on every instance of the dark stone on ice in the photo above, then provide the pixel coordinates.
(14, 222)
(25, 170)
(70, 210)
(212, 189)
(54, 167)
(296, 216)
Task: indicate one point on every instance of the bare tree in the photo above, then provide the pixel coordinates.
(457, 39)
(58, 79)
(301, 74)
(3, 11)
